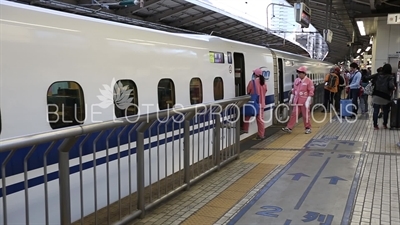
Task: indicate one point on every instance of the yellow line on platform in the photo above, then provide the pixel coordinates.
(298, 139)
(265, 161)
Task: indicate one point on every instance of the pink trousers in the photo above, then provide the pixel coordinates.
(260, 123)
(297, 109)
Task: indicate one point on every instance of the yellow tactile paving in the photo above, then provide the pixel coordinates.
(279, 158)
(220, 202)
(259, 157)
(266, 161)
(199, 220)
(212, 211)
(297, 139)
(216, 208)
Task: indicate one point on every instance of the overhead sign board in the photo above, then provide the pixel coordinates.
(393, 18)
(302, 14)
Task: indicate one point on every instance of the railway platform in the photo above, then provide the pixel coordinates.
(344, 172)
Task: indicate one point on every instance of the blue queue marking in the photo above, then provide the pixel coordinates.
(273, 211)
(308, 189)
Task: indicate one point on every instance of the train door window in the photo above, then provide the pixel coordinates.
(218, 88)
(196, 91)
(240, 78)
(281, 81)
(125, 98)
(66, 104)
(166, 94)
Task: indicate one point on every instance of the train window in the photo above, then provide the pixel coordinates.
(218, 88)
(196, 91)
(166, 94)
(216, 57)
(125, 98)
(65, 103)
(0, 121)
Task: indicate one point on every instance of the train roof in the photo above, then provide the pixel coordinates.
(199, 37)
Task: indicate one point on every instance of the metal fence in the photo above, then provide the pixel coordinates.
(113, 172)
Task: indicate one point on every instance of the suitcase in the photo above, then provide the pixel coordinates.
(395, 114)
(346, 107)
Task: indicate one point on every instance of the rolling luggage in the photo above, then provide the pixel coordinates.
(395, 114)
(346, 107)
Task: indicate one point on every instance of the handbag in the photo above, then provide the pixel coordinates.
(369, 89)
(252, 107)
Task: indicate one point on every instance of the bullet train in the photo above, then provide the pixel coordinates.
(58, 65)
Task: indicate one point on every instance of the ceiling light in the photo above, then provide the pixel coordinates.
(361, 28)
(368, 48)
(359, 50)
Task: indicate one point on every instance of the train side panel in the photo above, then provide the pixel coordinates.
(41, 48)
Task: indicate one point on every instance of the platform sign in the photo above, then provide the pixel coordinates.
(302, 14)
(393, 18)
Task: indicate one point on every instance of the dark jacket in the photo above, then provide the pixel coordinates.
(383, 85)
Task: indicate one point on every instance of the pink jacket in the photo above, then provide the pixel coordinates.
(261, 90)
(302, 89)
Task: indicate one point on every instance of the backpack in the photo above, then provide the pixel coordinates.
(384, 83)
(332, 81)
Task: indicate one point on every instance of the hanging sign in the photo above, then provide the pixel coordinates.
(393, 18)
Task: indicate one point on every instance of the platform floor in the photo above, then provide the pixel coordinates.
(342, 173)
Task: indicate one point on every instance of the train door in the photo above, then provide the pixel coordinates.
(240, 85)
(281, 81)
(240, 78)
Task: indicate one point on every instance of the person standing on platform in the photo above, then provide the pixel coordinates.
(354, 87)
(331, 88)
(364, 97)
(302, 93)
(261, 90)
(338, 95)
(382, 94)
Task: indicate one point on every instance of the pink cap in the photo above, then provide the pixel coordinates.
(257, 72)
(302, 69)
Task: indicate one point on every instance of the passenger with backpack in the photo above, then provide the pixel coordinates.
(381, 97)
(331, 87)
(338, 95)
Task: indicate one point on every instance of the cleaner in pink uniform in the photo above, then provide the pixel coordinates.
(301, 97)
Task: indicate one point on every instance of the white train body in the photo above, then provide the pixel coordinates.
(41, 46)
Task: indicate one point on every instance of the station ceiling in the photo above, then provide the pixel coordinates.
(345, 14)
(184, 17)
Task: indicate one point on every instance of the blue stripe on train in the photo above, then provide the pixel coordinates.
(36, 161)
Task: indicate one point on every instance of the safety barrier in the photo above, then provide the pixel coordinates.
(113, 172)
